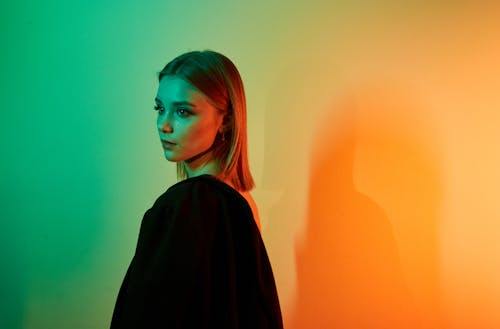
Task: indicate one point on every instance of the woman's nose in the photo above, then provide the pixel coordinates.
(164, 125)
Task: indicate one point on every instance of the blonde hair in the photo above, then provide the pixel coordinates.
(217, 77)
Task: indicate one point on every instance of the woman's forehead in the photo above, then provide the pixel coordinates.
(176, 90)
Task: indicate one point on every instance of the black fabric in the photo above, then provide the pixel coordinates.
(200, 262)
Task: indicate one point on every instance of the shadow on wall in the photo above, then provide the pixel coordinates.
(361, 263)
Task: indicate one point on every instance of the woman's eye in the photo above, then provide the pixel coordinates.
(182, 112)
(159, 108)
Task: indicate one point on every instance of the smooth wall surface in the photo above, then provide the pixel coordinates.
(373, 130)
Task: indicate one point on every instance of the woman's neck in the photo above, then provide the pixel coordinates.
(202, 164)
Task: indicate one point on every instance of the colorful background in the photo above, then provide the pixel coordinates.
(374, 142)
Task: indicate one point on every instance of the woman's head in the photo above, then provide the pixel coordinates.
(203, 107)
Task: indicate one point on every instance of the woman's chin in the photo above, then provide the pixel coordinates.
(170, 157)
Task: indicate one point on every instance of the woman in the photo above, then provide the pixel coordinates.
(200, 261)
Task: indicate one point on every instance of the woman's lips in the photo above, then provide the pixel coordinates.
(167, 144)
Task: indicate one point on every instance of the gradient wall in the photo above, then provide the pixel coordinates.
(374, 138)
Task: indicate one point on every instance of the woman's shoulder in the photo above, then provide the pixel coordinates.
(204, 187)
(205, 192)
(204, 181)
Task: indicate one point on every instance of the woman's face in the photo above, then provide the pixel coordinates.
(187, 122)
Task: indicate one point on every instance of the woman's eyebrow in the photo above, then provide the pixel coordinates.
(183, 103)
(177, 103)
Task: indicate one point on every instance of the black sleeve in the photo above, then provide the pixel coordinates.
(183, 264)
(197, 265)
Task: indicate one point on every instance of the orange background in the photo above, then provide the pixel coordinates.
(387, 138)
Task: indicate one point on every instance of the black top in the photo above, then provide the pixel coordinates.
(200, 262)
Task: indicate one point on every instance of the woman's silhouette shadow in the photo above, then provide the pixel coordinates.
(359, 262)
(348, 265)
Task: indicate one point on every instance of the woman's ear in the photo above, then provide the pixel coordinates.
(221, 127)
(226, 123)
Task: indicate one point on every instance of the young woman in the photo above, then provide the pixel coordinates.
(200, 261)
